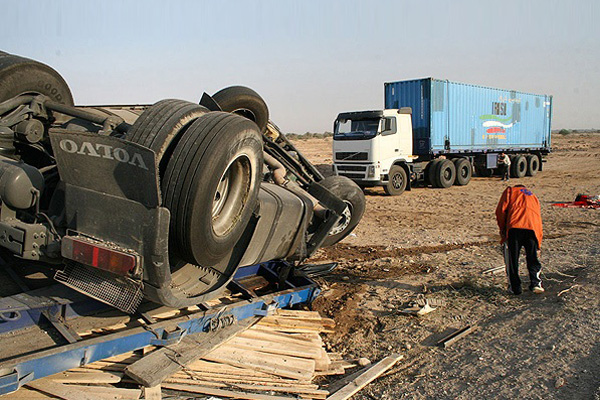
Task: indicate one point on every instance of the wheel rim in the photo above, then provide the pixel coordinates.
(246, 113)
(344, 220)
(464, 172)
(447, 174)
(231, 194)
(397, 181)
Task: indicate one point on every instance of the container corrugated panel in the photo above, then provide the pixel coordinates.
(458, 117)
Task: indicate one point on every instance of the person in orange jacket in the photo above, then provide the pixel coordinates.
(520, 222)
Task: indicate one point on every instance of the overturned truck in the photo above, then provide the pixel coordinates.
(164, 201)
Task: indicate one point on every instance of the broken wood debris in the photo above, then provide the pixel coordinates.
(494, 270)
(369, 375)
(279, 355)
(423, 305)
(450, 339)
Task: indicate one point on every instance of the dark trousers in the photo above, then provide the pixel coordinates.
(518, 238)
(505, 172)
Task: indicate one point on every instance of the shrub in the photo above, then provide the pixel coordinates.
(564, 132)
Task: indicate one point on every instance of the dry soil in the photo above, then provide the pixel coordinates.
(438, 242)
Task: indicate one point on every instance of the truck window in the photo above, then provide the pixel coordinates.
(389, 126)
(360, 129)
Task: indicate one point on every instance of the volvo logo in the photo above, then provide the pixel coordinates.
(103, 151)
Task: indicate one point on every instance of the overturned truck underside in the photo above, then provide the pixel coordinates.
(164, 201)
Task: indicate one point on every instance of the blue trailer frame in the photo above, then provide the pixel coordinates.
(17, 371)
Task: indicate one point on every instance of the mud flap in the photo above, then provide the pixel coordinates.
(107, 164)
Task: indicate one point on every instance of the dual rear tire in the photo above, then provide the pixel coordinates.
(209, 169)
(441, 173)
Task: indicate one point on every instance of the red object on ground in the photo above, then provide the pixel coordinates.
(581, 201)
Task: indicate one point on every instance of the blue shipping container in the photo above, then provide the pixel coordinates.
(452, 117)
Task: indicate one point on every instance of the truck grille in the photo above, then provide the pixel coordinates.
(348, 155)
(352, 168)
(351, 176)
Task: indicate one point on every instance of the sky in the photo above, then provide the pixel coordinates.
(310, 59)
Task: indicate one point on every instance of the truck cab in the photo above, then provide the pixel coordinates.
(368, 145)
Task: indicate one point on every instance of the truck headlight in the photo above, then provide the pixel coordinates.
(371, 171)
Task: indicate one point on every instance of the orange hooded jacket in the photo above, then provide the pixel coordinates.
(519, 208)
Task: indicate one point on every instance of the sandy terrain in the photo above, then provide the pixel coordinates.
(438, 242)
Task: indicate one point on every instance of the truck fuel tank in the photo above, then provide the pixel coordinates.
(20, 184)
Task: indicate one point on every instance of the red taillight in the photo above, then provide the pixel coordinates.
(95, 255)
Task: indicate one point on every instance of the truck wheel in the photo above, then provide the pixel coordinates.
(445, 173)
(20, 75)
(245, 102)
(211, 185)
(430, 172)
(463, 171)
(396, 181)
(533, 164)
(353, 196)
(483, 171)
(161, 123)
(518, 166)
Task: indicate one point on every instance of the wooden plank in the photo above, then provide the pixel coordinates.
(27, 394)
(153, 393)
(298, 314)
(64, 391)
(280, 337)
(365, 378)
(246, 386)
(340, 383)
(110, 392)
(311, 324)
(286, 366)
(242, 380)
(96, 377)
(322, 363)
(272, 347)
(448, 340)
(209, 366)
(222, 392)
(156, 366)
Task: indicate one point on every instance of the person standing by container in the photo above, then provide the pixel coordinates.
(519, 219)
(504, 164)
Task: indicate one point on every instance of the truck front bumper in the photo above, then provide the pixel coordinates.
(365, 175)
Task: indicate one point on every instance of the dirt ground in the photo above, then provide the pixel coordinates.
(438, 242)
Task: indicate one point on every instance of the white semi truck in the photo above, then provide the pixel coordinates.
(438, 132)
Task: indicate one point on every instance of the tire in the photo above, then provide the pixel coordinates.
(160, 124)
(397, 180)
(464, 171)
(354, 197)
(211, 185)
(20, 75)
(484, 172)
(444, 173)
(245, 102)
(430, 173)
(533, 164)
(518, 166)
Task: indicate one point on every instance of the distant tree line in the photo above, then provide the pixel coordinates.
(308, 135)
(569, 131)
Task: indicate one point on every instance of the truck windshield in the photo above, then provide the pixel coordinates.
(359, 129)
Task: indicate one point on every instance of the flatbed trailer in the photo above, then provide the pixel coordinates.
(28, 321)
